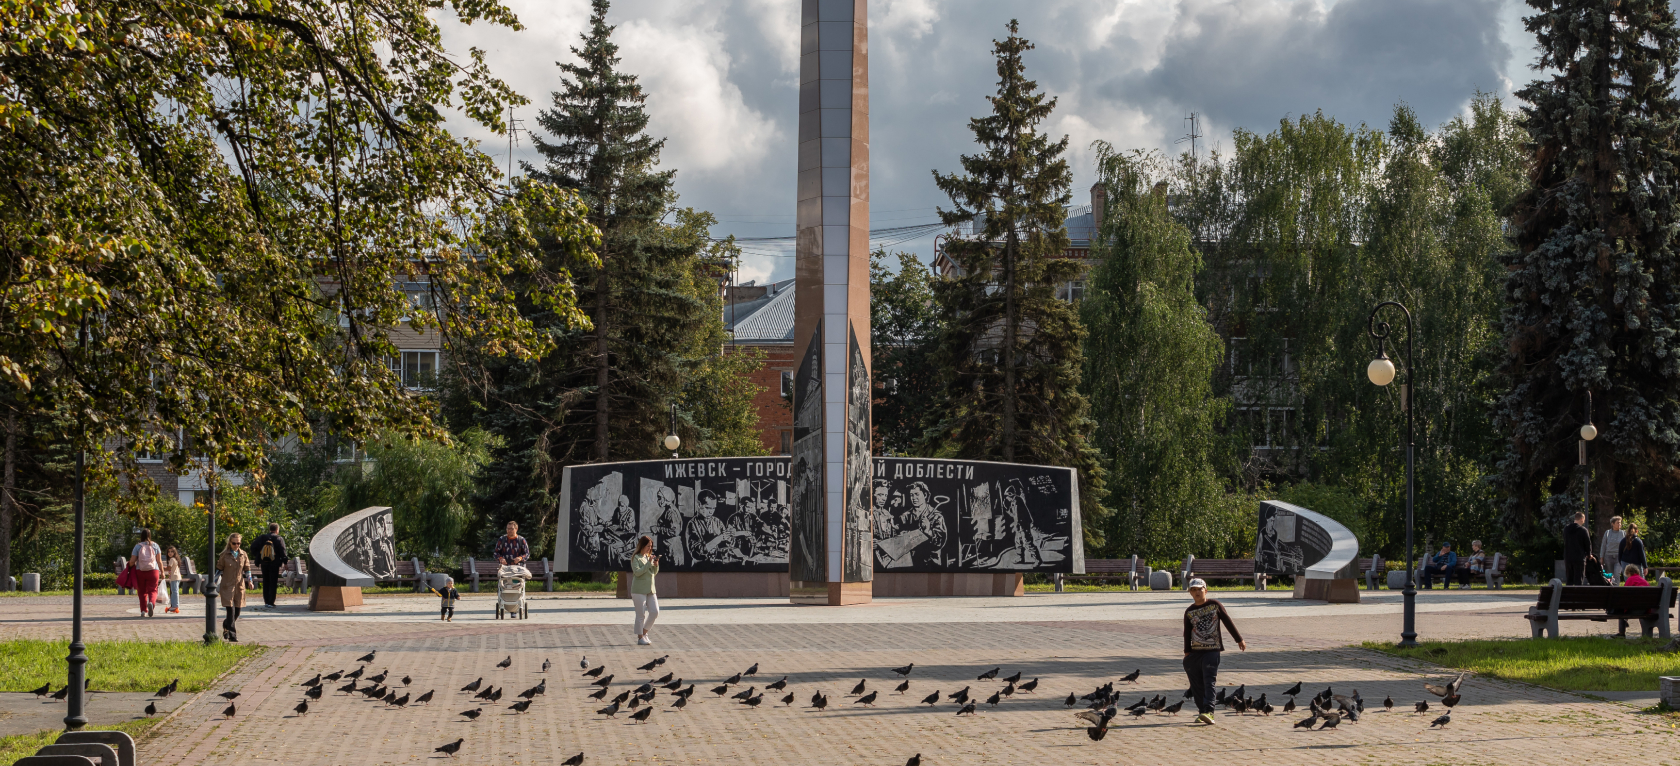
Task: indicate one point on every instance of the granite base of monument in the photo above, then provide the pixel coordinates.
(713, 585)
(1337, 591)
(334, 598)
(889, 585)
(830, 593)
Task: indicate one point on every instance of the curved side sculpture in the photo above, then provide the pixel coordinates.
(1296, 542)
(356, 550)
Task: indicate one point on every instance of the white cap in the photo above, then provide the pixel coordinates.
(1198, 583)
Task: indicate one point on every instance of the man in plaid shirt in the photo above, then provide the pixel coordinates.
(512, 550)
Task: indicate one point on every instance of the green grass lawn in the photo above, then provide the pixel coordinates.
(1571, 664)
(120, 666)
(22, 745)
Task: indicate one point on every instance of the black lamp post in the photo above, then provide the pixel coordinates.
(1588, 433)
(74, 717)
(208, 581)
(1381, 372)
(672, 441)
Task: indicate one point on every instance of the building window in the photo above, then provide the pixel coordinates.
(787, 442)
(787, 383)
(417, 369)
(1268, 428)
(1072, 292)
(348, 451)
(1246, 362)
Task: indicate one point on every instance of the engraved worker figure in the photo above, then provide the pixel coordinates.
(922, 541)
(621, 535)
(1016, 511)
(705, 531)
(594, 525)
(884, 526)
(668, 528)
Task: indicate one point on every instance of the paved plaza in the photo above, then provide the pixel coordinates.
(1070, 642)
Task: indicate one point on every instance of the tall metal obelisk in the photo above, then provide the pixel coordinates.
(831, 557)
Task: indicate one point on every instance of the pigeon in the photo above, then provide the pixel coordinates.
(1308, 722)
(643, 689)
(229, 696)
(603, 681)
(1289, 707)
(1352, 715)
(650, 666)
(576, 760)
(734, 679)
(450, 749)
(915, 760)
(1452, 688)
(1445, 719)
(752, 671)
(176, 684)
(1293, 690)
(472, 715)
(1071, 700)
(664, 679)
(349, 688)
(366, 658)
(1240, 690)
(229, 711)
(528, 693)
(1421, 707)
(869, 699)
(312, 681)
(608, 711)
(682, 702)
(1013, 679)
(390, 697)
(931, 699)
(661, 660)
(1092, 717)
(1139, 704)
(42, 692)
(905, 671)
(496, 696)
(1137, 712)
(1008, 691)
(546, 665)
(689, 692)
(635, 702)
(856, 690)
(357, 673)
(720, 690)
(751, 690)
(1219, 697)
(484, 695)
(1330, 721)
(596, 673)
(1388, 703)
(989, 675)
(994, 699)
(379, 679)
(674, 685)
(333, 676)
(314, 692)
(473, 687)
(1096, 733)
(1173, 708)
(599, 694)
(818, 701)
(966, 709)
(960, 696)
(1028, 687)
(301, 709)
(903, 687)
(1158, 702)
(1131, 678)
(641, 716)
(505, 664)
(151, 708)
(1188, 693)
(788, 700)
(424, 699)
(753, 701)
(777, 686)
(1451, 700)
(400, 702)
(520, 706)
(583, 663)
(542, 688)
(406, 680)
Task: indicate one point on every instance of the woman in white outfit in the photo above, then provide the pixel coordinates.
(644, 565)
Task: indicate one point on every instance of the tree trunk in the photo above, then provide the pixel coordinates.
(8, 502)
(603, 367)
(1601, 489)
(1008, 356)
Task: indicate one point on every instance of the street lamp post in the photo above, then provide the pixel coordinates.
(1588, 433)
(76, 679)
(208, 579)
(1381, 372)
(672, 441)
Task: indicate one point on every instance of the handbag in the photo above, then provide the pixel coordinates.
(125, 578)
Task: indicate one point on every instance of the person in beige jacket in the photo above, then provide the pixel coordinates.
(232, 566)
(172, 578)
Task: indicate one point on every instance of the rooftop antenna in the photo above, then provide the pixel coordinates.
(513, 140)
(1194, 134)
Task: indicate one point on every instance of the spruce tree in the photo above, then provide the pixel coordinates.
(1010, 351)
(903, 329)
(603, 393)
(1591, 295)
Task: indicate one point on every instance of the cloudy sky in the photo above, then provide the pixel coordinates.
(722, 82)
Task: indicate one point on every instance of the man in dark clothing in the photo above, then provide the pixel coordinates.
(1202, 645)
(1442, 566)
(1576, 545)
(269, 551)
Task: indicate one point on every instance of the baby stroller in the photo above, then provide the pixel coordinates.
(510, 592)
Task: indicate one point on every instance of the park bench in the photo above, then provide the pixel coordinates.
(1129, 571)
(296, 575)
(1373, 571)
(1493, 575)
(1650, 605)
(474, 569)
(409, 571)
(1223, 569)
(117, 568)
(542, 568)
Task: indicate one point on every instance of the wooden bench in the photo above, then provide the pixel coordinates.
(1223, 569)
(541, 568)
(1103, 570)
(296, 575)
(474, 569)
(1373, 571)
(1650, 605)
(409, 571)
(1493, 575)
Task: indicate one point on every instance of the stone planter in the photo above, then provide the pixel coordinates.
(1396, 579)
(31, 582)
(1162, 580)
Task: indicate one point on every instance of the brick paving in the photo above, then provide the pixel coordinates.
(1497, 723)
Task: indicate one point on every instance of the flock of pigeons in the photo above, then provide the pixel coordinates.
(1328, 709)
